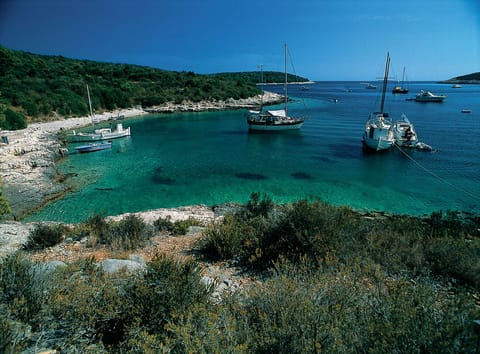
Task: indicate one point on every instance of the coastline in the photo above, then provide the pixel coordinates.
(28, 162)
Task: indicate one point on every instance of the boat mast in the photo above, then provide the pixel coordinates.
(261, 85)
(286, 80)
(91, 111)
(385, 79)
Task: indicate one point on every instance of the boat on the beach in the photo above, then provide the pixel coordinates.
(404, 132)
(400, 88)
(94, 147)
(274, 119)
(427, 96)
(98, 134)
(378, 134)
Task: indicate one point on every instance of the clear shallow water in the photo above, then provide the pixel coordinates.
(210, 158)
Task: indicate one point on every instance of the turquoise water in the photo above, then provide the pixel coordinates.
(210, 158)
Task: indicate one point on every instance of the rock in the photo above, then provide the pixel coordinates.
(13, 235)
(116, 265)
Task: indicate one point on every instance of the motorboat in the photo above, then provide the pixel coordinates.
(427, 96)
(404, 132)
(94, 147)
(456, 86)
(378, 134)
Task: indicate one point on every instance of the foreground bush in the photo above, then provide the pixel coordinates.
(178, 227)
(350, 311)
(257, 236)
(127, 234)
(43, 236)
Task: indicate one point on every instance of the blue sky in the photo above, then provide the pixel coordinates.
(328, 39)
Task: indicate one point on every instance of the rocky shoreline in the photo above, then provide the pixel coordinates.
(27, 162)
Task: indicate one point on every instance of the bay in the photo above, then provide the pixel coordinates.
(211, 158)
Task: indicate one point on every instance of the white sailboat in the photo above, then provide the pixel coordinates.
(99, 134)
(378, 134)
(274, 119)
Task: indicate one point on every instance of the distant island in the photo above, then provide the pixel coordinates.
(465, 79)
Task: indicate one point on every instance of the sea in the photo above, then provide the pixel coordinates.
(210, 158)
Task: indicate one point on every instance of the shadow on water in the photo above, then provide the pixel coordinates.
(302, 175)
(159, 178)
(250, 176)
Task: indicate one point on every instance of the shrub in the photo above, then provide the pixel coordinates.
(165, 291)
(127, 234)
(17, 288)
(13, 120)
(178, 227)
(43, 236)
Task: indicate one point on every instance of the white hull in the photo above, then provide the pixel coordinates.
(101, 134)
(269, 126)
(378, 133)
(405, 134)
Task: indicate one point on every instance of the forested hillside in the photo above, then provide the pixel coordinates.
(466, 79)
(40, 86)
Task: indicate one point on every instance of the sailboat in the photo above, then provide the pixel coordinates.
(400, 88)
(378, 134)
(99, 134)
(274, 119)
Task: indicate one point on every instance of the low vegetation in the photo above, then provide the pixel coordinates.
(332, 280)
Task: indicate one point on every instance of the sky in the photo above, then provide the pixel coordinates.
(327, 39)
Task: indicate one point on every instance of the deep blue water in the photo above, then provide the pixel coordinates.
(210, 158)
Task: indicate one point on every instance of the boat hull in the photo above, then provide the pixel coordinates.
(377, 144)
(273, 126)
(93, 147)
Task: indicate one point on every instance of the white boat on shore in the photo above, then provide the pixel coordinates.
(274, 120)
(378, 134)
(427, 96)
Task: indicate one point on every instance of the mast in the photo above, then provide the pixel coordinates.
(286, 80)
(261, 85)
(90, 105)
(385, 79)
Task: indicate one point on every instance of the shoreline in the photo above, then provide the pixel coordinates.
(28, 168)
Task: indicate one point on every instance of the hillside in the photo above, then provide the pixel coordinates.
(40, 86)
(473, 78)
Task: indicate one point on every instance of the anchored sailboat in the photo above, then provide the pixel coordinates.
(274, 119)
(378, 134)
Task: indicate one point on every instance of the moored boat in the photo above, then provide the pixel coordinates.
(98, 134)
(378, 134)
(94, 147)
(427, 96)
(404, 132)
(274, 120)
(400, 88)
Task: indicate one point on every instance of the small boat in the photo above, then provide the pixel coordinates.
(405, 134)
(427, 96)
(94, 147)
(456, 86)
(274, 119)
(398, 88)
(98, 134)
(108, 133)
(466, 110)
(378, 134)
(370, 86)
